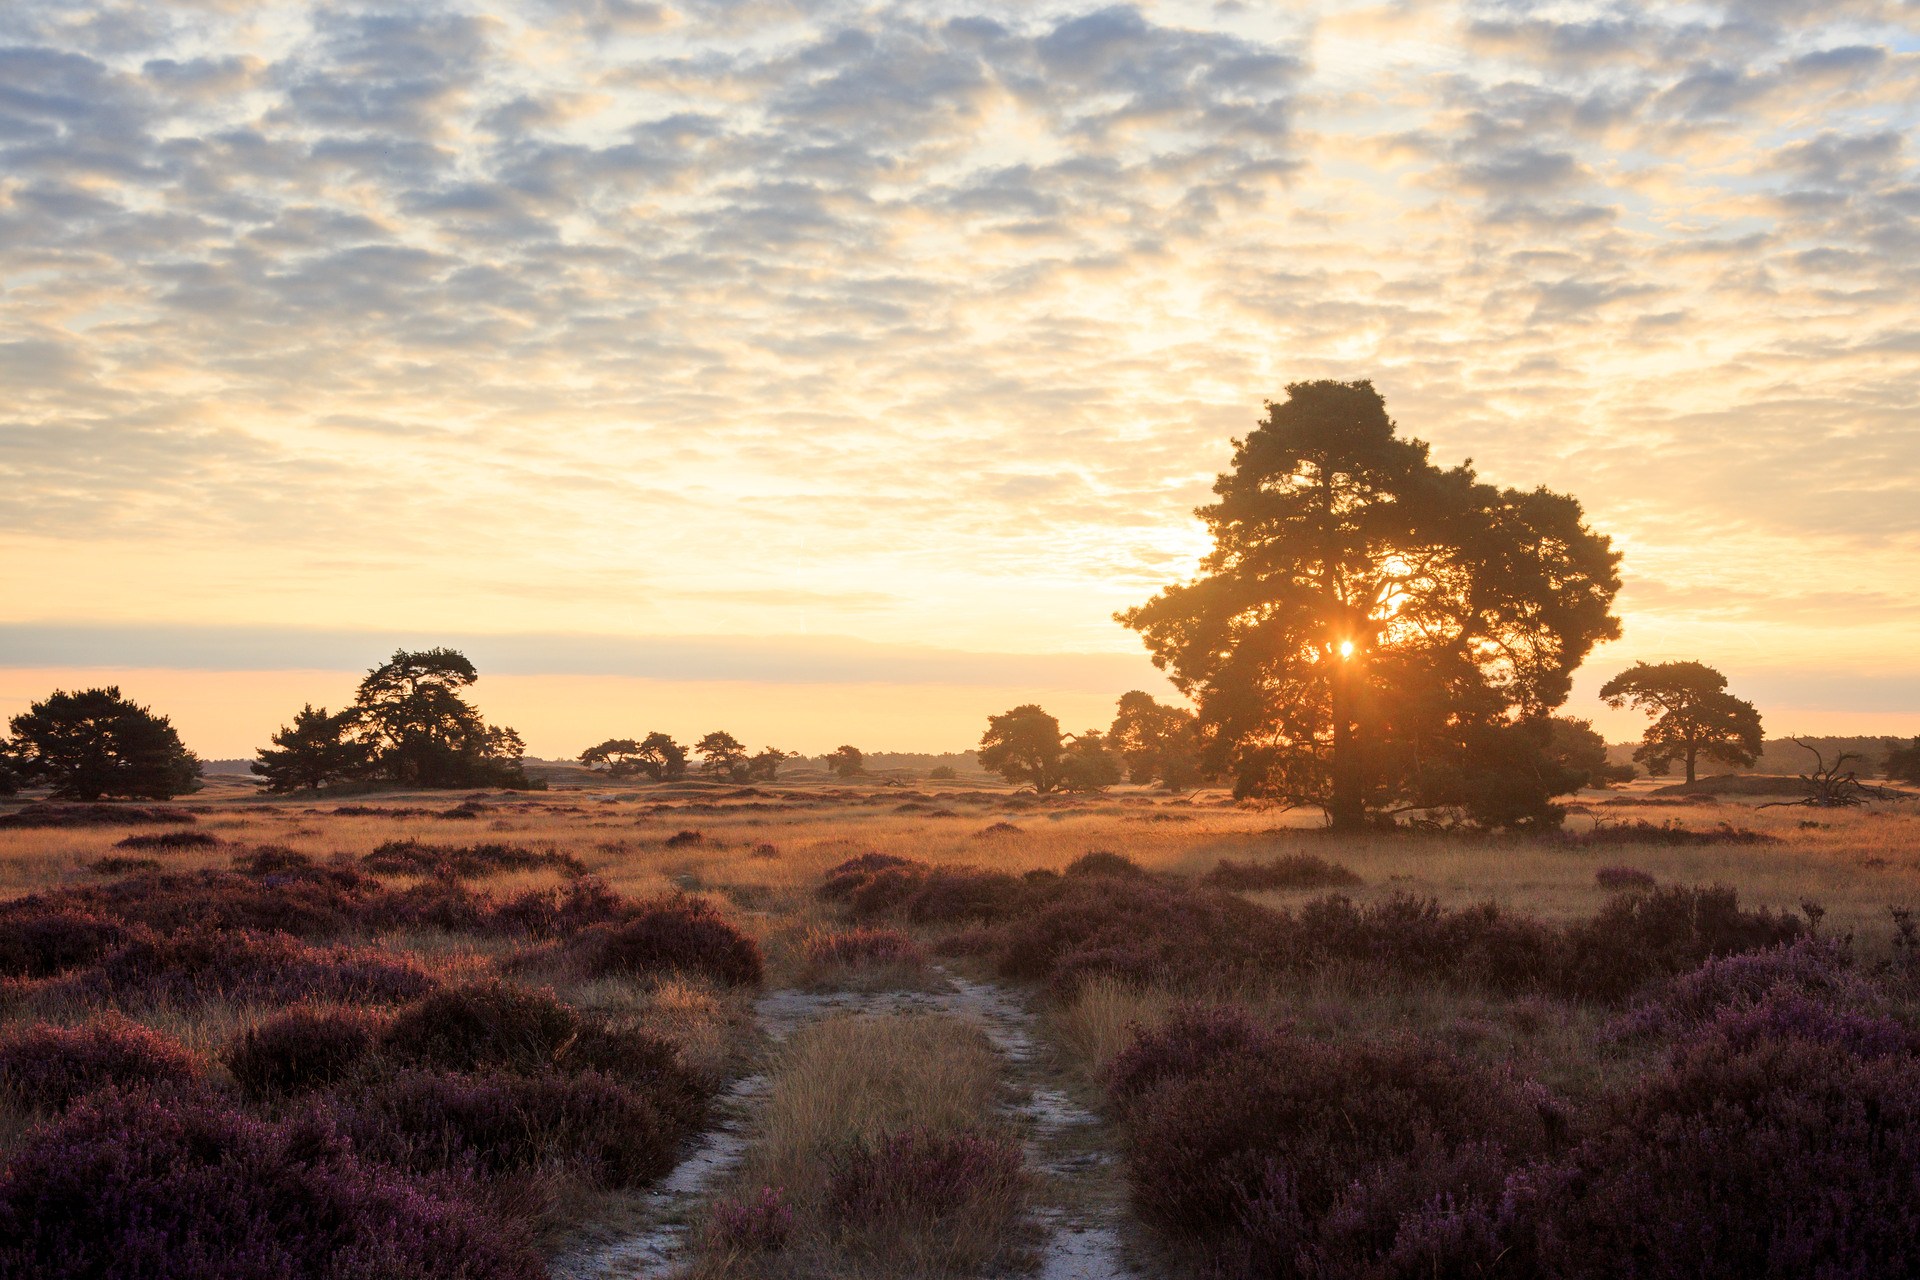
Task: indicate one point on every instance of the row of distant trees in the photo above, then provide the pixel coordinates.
(657, 756)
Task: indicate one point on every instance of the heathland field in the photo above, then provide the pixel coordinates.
(947, 1029)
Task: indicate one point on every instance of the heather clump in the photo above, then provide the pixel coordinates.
(1623, 879)
(115, 864)
(38, 944)
(470, 861)
(757, 1224)
(950, 895)
(1670, 833)
(922, 1174)
(1287, 871)
(491, 1124)
(1812, 968)
(44, 814)
(183, 1189)
(852, 948)
(1194, 1039)
(169, 840)
(245, 966)
(299, 1050)
(849, 877)
(1103, 862)
(671, 934)
(45, 1067)
(1638, 938)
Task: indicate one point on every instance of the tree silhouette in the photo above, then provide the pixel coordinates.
(1156, 742)
(1370, 631)
(722, 755)
(421, 732)
(1088, 764)
(618, 756)
(95, 743)
(1023, 745)
(663, 759)
(765, 765)
(1903, 762)
(846, 762)
(315, 751)
(1694, 715)
(1575, 744)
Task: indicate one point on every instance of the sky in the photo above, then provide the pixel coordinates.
(832, 372)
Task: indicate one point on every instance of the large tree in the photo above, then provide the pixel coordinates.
(315, 751)
(618, 756)
(420, 730)
(95, 743)
(1576, 744)
(1694, 715)
(1157, 743)
(722, 756)
(1372, 632)
(1024, 745)
(1087, 763)
(846, 762)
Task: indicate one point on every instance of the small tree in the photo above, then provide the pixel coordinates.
(1694, 715)
(618, 757)
(1087, 764)
(765, 767)
(96, 743)
(1157, 743)
(1024, 745)
(661, 758)
(1575, 744)
(1903, 763)
(722, 756)
(421, 732)
(846, 762)
(316, 750)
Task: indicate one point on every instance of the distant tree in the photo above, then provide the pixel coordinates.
(941, 773)
(1087, 764)
(1157, 743)
(421, 732)
(765, 766)
(1575, 744)
(618, 757)
(846, 762)
(661, 758)
(9, 777)
(722, 756)
(1024, 745)
(317, 750)
(96, 743)
(1903, 763)
(1367, 624)
(1694, 715)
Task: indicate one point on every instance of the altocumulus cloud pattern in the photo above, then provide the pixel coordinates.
(928, 319)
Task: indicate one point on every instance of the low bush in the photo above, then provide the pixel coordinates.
(493, 1124)
(45, 1068)
(1288, 871)
(1194, 1039)
(169, 840)
(560, 912)
(680, 839)
(1616, 879)
(761, 1224)
(43, 814)
(844, 880)
(270, 859)
(998, 829)
(853, 947)
(1101, 862)
(1641, 937)
(668, 934)
(300, 1050)
(319, 903)
(1640, 831)
(768, 851)
(922, 1174)
(1816, 969)
(115, 864)
(242, 965)
(40, 944)
(951, 895)
(471, 861)
(145, 1189)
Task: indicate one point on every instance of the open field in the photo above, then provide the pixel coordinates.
(882, 1072)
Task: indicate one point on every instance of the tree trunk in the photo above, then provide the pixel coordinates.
(1692, 751)
(1348, 811)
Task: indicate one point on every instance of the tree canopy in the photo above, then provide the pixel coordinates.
(95, 743)
(1694, 716)
(317, 750)
(1157, 743)
(420, 731)
(1024, 745)
(846, 762)
(1903, 761)
(722, 755)
(1087, 763)
(1575, 744)
(1372, 632)
(657, 756)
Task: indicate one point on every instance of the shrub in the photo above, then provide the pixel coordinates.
(1101, 862)
(118, 865)
(764, 851)
(844, 880)
(242, 965)
(484, 1026)
(1637, 938)
(946, 895)
(680, 839)
(1193, 1040)
(1809, 967)
(494, 1124)
(1619, 878)
(1640, 831)
(674, 933)
(762, 1224)
(42, 814)
(142, 1189)
(270, 859)
(299, 1050)
(169, 840)
(920, 1174)
(1288, 871)
(998, 829)
(47, 1067)
(472, 861)
(319, 903)
(42, 944)
(863, 946)
(556, 913)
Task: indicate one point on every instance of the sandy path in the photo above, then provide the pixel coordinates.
(1080, 1193)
